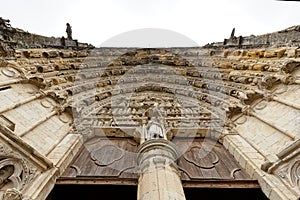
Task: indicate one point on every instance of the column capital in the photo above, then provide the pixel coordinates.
(156, 149)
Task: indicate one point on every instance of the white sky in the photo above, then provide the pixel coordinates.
(96, 21)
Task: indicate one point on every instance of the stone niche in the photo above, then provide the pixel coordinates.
(19, 166)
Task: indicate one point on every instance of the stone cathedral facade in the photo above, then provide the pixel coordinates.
(78, 122)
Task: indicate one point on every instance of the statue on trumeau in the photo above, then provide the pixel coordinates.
(154, 129)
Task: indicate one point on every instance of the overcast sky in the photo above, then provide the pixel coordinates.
(98, 21)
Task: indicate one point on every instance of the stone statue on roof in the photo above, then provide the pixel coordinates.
(232, 35)
(4, 22)
(69, 31)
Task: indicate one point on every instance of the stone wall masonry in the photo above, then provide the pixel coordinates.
(289, 96)
(267, 144)
(288, 37)
(21, 39)
(39, 128)
(65, 151)
(46, 136)
(279, 116)
(262, 136)
(251, 160)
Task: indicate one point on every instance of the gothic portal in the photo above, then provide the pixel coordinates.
(219, 121)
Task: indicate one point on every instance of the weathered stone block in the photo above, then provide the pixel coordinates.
(280, 52)
(291, 52)
(260, 67)
(226, 65)
(270, 53)
(255, 53)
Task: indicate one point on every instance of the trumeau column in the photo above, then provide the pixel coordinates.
(159, 178)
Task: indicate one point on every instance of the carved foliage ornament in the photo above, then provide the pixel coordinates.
(11, 171)
(295, 174)
(12, 194)
(15, 171)
(290, 174)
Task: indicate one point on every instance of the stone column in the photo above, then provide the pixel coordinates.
(159, 178)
